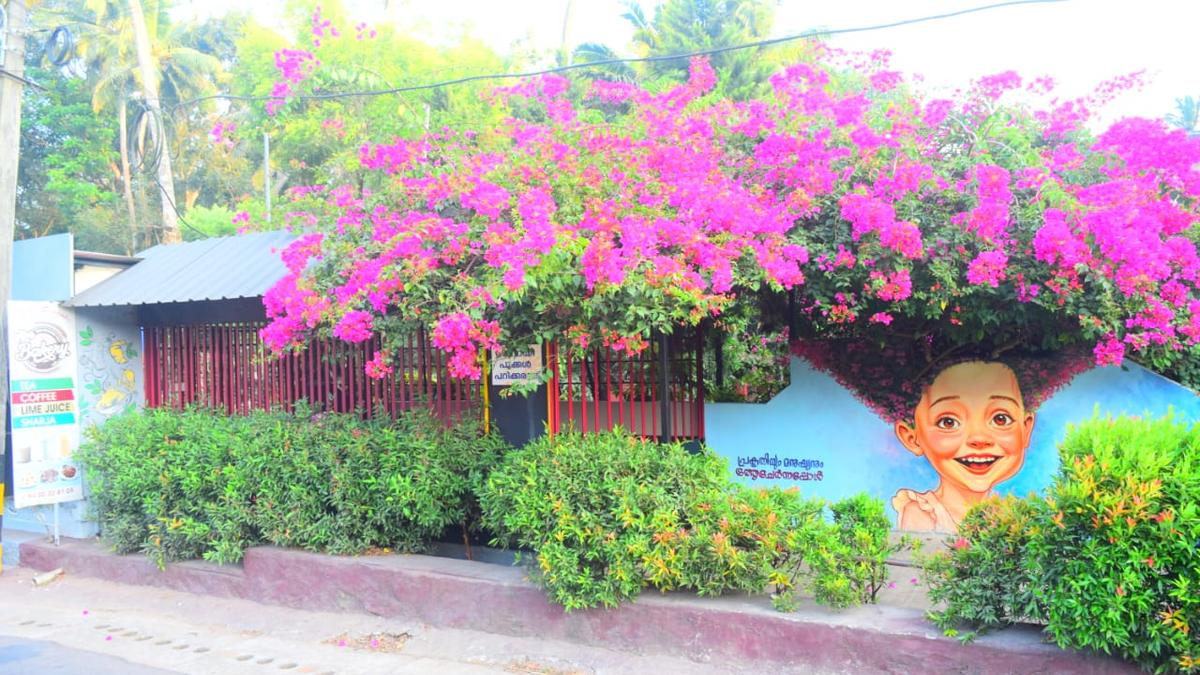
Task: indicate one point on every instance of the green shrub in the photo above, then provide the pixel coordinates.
(736, 538)
(590, 505)
(343, 485)
(154, 478)
(982, 580)
(1117, 565)
(1108, 560)
(610, 514)
(195, 483)
(852, 569)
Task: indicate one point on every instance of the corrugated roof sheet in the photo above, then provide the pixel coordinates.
(224, 268)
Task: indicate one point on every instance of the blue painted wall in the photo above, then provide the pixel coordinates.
(43, 268)
(824, 441)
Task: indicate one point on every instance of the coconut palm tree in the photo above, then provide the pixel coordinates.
(105, 56)
(166, 69)
(1186, 115)
(687, 26)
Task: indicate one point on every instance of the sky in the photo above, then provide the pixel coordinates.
(1079, 43)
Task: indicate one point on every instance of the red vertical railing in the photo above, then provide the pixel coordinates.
(226, 366)
(606, 389)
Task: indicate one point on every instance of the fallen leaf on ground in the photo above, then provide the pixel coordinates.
(375, 642)
(535, 668)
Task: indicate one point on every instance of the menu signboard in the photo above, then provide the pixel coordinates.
(45, 409)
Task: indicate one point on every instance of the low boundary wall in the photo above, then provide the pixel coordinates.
(498, 599)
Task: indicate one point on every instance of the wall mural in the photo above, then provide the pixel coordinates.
(972, 426)
(928, 440)
(110, 369)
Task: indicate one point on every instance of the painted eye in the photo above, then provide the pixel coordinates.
(946, 423)
(1002, 419)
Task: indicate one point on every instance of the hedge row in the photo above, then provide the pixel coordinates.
(606, 515)
(192, 484)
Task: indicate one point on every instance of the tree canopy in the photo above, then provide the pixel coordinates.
(87, 175)
(689, 26)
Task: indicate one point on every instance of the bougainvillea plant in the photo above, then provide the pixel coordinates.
(602, 213)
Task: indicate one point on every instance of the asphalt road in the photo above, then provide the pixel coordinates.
(38, 657)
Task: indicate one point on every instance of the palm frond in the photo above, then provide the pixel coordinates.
(591, 52)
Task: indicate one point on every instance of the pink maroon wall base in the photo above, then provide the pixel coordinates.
(497, 599)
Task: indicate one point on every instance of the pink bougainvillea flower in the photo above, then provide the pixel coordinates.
(1109, 351)
(988, 268)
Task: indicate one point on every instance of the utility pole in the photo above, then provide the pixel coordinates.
(158, 126)
(564, 45)
(11, 85)
(267, 173)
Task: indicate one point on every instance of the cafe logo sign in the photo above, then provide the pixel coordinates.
(42, 347)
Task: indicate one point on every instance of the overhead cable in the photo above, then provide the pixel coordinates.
(607, 62)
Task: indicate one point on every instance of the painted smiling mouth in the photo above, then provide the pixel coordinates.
(977, 463)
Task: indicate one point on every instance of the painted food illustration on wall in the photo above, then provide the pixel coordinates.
(108, 374)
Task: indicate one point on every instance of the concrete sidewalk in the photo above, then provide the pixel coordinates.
(182, 632)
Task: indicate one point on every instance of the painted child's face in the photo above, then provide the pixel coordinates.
(971, 425)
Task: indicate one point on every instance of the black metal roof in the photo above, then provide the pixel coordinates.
(223, 268)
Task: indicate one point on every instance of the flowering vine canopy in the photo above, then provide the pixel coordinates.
(601, 212)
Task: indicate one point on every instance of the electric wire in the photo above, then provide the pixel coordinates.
(146, 135)
(149, 133)
(607, 62)
(21, 79)
(171, 201)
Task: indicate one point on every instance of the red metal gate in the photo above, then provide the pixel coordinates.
(226, 366)
(605, 389)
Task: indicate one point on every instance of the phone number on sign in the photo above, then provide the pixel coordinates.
(778, 474)
(56, 492)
